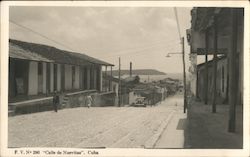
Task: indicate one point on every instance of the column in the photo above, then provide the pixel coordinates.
(33, 78)
(51, 77)
(58, 77)
(44, 77)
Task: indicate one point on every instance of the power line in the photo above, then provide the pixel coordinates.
(44, 36)
(135, 51)
(177, 21)
(131, 51)
(139, 46)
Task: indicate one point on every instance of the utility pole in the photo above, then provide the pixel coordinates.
(215, 66)
(184, 74)
(119, 92)
(233, 84)
(206, 68)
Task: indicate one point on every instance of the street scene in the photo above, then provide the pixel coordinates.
(111, 127)
(126, 77)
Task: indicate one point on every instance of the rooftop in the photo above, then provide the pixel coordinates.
(38, 52)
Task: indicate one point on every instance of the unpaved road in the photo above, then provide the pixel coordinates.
(113, 127)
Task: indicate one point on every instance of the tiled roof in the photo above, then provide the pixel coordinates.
(48, 53)
(17, 52)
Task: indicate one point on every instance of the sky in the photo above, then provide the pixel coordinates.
(141, 35)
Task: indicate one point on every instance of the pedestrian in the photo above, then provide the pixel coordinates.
(89, 101)
(55, 100)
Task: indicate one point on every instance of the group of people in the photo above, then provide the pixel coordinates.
(56, 101)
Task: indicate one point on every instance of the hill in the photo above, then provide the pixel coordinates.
(138, 72)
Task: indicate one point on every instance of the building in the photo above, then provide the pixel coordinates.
(111, 83)
(221, 81)
(219, 32)
(36, 71)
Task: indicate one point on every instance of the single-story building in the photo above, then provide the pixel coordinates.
(37, 70)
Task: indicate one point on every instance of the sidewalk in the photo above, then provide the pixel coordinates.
(173, 135)
(174, 131)
(209, 130)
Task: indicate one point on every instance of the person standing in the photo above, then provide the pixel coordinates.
(89, 101)
(55, 101)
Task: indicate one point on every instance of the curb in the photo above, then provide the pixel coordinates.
(154, 139)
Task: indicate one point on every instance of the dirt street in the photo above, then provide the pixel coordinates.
(113, 127)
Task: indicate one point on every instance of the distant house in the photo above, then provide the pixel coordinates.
(37, 70)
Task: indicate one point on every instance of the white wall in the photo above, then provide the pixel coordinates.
(44, 77)
(33, 78)
(58, 77)
(68, 77)
(132, 97)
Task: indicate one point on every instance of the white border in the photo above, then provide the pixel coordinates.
(126, 152)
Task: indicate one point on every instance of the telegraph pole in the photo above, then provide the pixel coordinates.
(119, 91)
(233, 87)
(184, 72)
(206, 68)
(215, 67)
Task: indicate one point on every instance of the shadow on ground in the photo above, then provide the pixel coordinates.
(209, 130)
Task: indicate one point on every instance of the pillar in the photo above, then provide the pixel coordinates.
(44, 77)
(33, 78)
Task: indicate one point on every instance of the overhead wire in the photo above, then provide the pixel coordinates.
(177, 22)
(42, 35)
(134, 52)
(127, 51)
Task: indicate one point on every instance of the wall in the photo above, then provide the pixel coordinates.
(99, 100)
(36, 106)
(132, 97)
(68, 77)
(221, 95)
(104, 99)
(33, 78)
